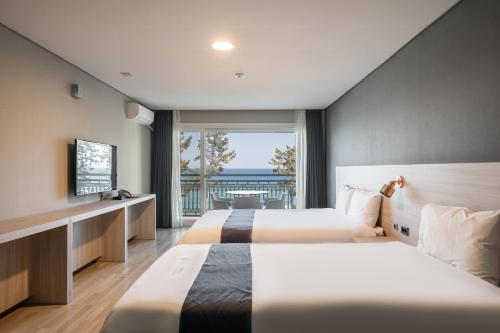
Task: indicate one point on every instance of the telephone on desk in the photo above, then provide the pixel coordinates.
(124, 194)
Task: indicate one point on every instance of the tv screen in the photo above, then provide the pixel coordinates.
(95, 167)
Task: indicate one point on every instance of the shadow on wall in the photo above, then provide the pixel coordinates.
(145, 168)
(71, 171)
(62, 170)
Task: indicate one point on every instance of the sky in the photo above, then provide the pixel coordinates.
(253, 150)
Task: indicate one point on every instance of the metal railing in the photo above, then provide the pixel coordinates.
(274, 184)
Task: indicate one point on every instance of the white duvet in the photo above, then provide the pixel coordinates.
(284, 226)
(341, 287)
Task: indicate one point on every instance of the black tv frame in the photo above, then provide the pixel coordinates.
(114, 169)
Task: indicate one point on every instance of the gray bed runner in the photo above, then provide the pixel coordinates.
(238, 227)
(220, 299)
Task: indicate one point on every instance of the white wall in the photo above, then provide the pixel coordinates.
(39, 118)
(237, 116)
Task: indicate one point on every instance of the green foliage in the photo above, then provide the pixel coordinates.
(184, 144)
(217, 152)
(284, 160)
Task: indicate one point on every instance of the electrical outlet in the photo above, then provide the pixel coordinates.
(396, 226)
(405, 230)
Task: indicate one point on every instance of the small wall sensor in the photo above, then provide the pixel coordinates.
(76, 91)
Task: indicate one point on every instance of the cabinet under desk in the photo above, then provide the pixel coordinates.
(39, 253)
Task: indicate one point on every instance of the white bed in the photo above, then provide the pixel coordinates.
(335, 287)
(284, 226)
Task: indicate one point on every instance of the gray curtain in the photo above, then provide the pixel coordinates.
(161, 167)
(316, 161)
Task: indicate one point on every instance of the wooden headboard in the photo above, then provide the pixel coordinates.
(473, 185)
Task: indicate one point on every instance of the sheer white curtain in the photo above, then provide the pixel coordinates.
(176, 173)
(301, 157)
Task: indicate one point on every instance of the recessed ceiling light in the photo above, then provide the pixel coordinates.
(239, 75)
(126, 74)
(222, 46)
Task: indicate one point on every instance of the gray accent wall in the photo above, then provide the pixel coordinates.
(437, 100)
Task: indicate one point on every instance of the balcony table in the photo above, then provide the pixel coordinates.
(246, 193)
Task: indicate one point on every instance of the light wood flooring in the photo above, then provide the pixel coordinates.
(96, 289)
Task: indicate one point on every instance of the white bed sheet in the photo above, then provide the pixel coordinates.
(341, 287)
(283, 226)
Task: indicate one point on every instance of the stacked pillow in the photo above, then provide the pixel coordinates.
(344, 199)
(463, 238)
(362, 205)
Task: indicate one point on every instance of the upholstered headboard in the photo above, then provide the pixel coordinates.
(473, 185)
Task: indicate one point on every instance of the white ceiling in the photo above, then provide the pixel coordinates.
(295, 53)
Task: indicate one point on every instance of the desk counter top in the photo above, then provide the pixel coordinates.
(11, 229)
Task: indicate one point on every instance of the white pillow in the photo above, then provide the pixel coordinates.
(463, 238)
(344, 199)
(365, 206)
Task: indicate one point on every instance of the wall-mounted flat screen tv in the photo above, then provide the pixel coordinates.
(95, 167)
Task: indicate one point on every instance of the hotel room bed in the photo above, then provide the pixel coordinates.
(277, 226)
(278, 288)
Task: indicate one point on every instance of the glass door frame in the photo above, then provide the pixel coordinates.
(204, 128)
(203, 175)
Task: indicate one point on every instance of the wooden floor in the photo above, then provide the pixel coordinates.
(96, 289)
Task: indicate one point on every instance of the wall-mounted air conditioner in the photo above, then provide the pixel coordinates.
(140, 114)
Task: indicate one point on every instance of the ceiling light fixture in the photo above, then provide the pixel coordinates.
(239, 75)
(126, 74)
(222, 46)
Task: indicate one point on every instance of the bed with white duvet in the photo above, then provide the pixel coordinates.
(278, 288)
(279, 226)
(356, 215)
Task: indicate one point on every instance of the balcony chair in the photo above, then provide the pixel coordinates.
(219, 203)
(247, 203)
(216, 196)
(276, 203)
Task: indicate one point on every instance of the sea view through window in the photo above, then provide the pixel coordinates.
(235, 161)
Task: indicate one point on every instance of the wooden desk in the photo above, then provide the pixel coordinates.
(140, 214)
(39, 253)
(101, 231)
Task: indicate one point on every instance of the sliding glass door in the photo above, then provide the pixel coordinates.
(260, 164)
(236, 163)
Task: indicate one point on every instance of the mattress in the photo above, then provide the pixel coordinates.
(276, 226)
(330, 287)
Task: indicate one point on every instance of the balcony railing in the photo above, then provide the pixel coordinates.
(274, 184)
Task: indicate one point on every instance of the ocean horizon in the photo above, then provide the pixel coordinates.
(252, 174)
(265, 171)
(248, 171)
(235, 179)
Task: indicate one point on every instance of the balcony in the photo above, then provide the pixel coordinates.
(274, 184)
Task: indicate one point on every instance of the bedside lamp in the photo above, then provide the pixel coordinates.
(388, 189)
